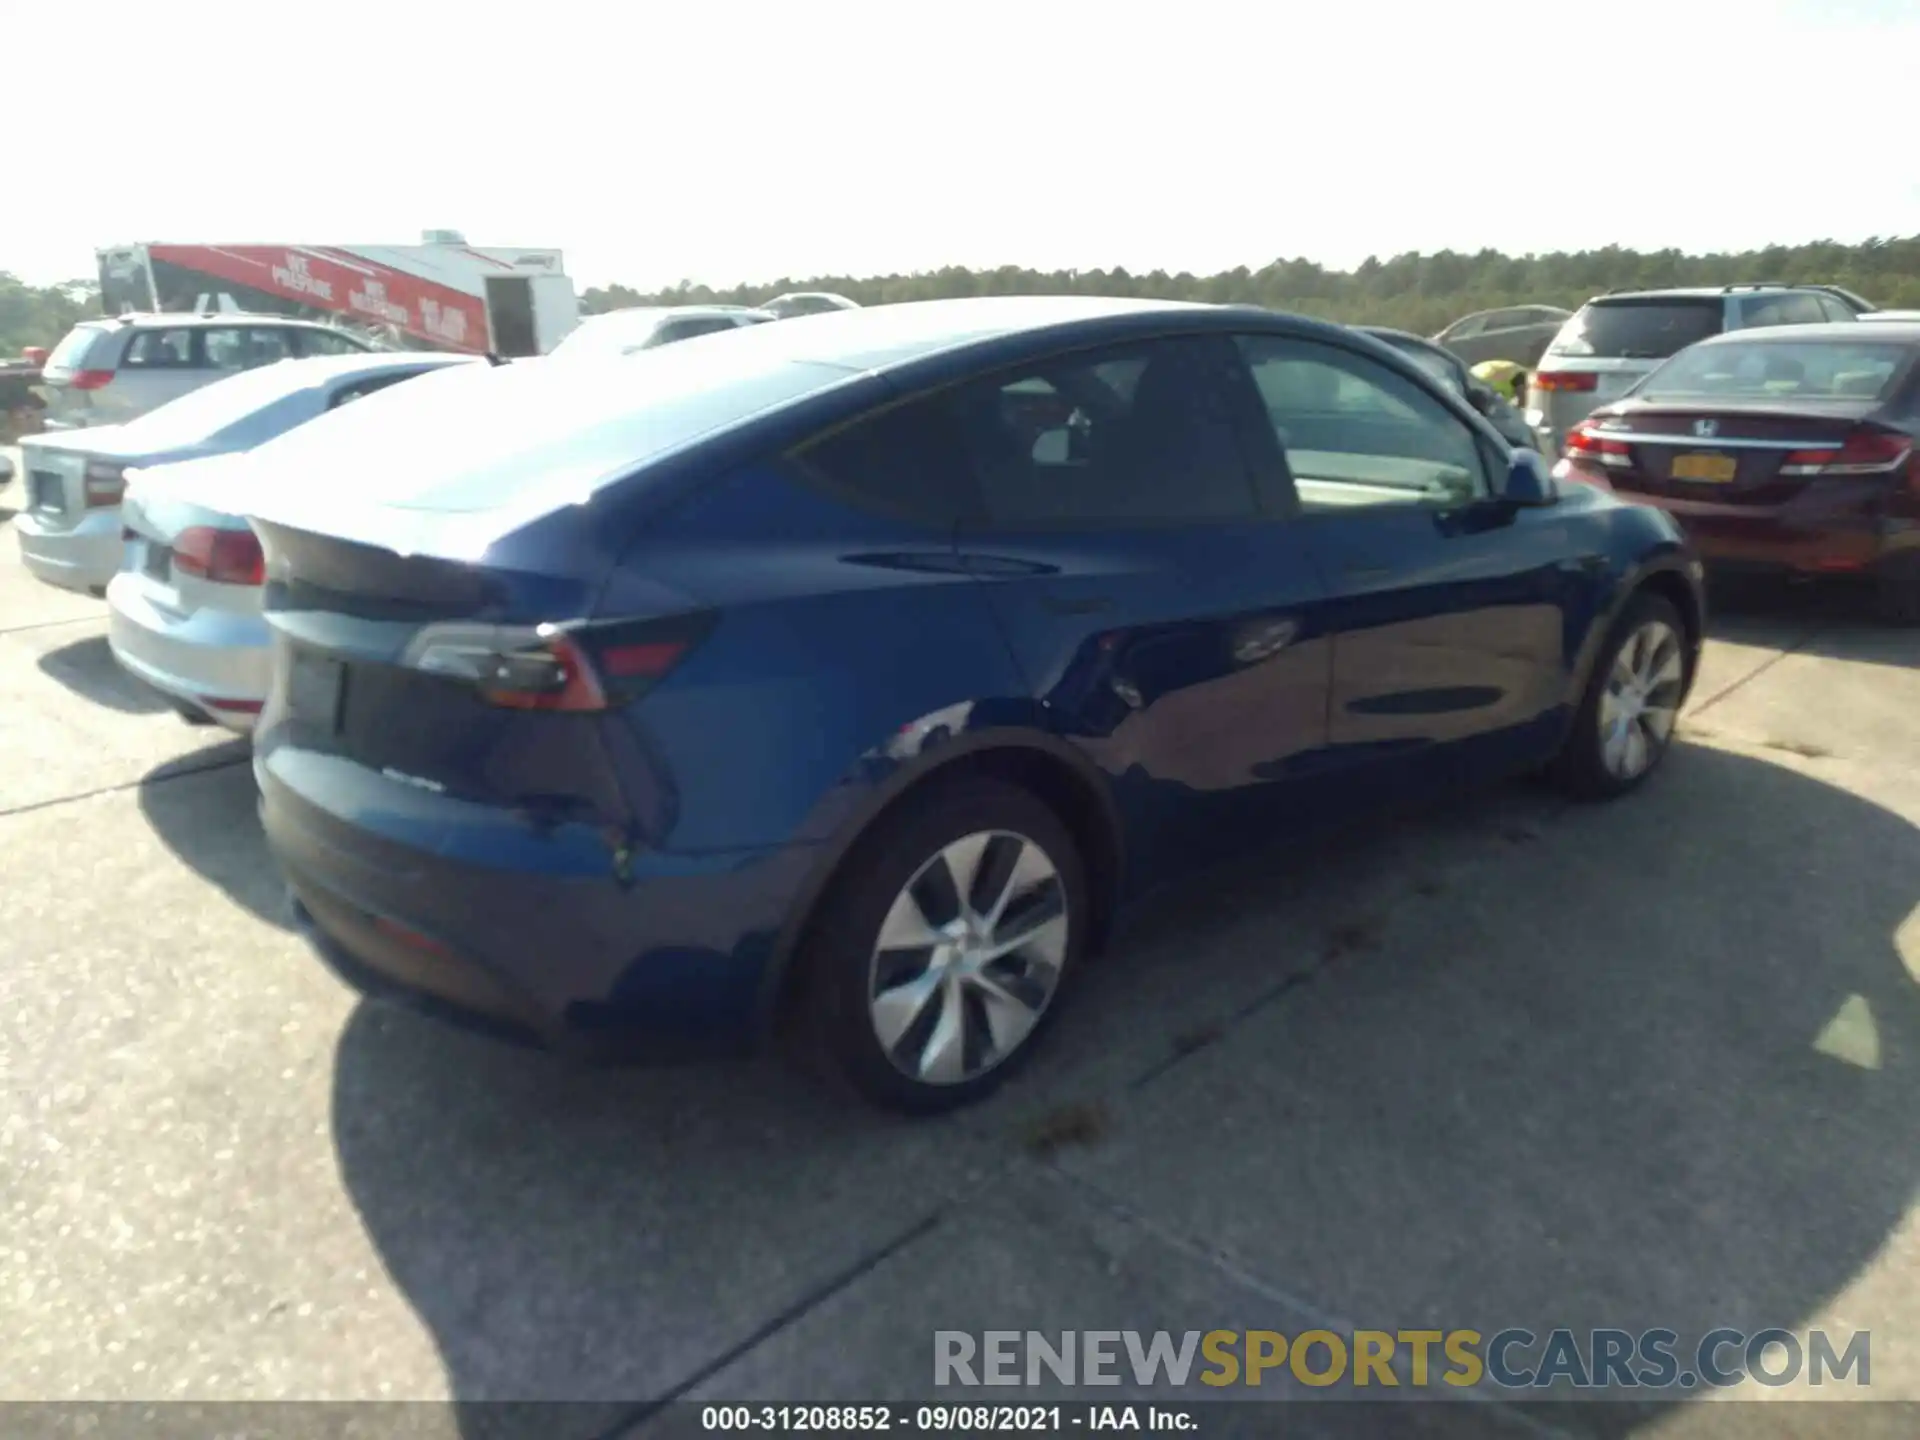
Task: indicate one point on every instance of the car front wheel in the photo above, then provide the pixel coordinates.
(1627, 717)
(944, 950)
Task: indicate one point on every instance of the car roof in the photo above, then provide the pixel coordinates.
(1880, 332)
(148, 319)
(1700, 292)
(883, 337)
(636, 317)
(324, 369)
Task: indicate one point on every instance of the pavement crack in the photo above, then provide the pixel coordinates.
(810, 1301)
(159, 777)
(51, 624)
(1220, 1261)
(1754, 674)
(1341, 944)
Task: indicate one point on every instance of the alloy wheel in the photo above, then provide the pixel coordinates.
(968, 958)
(1640, 704)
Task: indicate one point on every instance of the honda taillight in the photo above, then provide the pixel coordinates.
(105, 484)
(1866, 451)
(584, 666)
(1577, 381)
(89, 379)
(227, 557)
(1585, 443)
(1573, 473)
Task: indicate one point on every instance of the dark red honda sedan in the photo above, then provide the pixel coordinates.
(1791, 449)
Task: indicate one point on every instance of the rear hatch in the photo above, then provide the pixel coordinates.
(80, 365)
(1744, 456)
(1609, 345)
(434, 556)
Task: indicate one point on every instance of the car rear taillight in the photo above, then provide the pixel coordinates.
(1577, 381)
(227, 557)
(90, 379)
(583, 666)
(1591, 446)
(105, 484)
(1866, 451)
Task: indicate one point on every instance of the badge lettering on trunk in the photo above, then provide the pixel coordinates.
(1706, 429)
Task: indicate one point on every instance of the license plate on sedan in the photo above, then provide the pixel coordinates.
(314, 686)
(1713, 469)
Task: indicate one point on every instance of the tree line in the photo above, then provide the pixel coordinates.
(1413, 291)
(41, 314)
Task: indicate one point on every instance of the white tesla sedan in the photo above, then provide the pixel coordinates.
(184, 614)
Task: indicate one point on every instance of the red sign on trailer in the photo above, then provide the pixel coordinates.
(350, 285)
(443, 294)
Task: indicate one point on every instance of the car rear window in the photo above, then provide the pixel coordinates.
(1638, 329)
(71, 352)
(212, 410)
(1778, 369)
(1435, 365)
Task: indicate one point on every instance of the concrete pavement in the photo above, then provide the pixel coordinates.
(1508, 1063)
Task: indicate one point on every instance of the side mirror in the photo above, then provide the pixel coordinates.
(1530, 481)
(6, 469)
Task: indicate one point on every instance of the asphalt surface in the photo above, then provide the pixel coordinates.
(1506, 1063)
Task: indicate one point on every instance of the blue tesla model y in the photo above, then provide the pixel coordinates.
(856, 671)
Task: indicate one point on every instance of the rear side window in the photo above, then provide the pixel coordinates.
(246, 347)
(328, 342)
(1638, 329)
(159, 350)
(71, 353)
(905, 462)
(1144, 434)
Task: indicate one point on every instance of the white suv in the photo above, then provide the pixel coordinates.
(1615, 339)
(107, 372)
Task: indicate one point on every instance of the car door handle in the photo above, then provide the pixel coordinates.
(1367, 572)
(1086, 605)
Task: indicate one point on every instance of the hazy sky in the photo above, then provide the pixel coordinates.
(727, 141)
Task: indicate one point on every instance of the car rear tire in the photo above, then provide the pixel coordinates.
(1897, 590)
(944, 949)
(1627, 717)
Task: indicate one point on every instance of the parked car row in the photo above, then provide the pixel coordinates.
(1788, 448)
(851, 677)
(1615, 340)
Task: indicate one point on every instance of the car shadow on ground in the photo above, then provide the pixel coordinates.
(1828, 617)
(1655, 1063)
(205, 809)
(87, 668)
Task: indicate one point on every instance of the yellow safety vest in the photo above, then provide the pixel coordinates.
(1505, 377)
